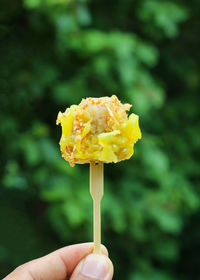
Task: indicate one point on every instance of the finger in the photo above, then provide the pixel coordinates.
(55, 266)
(98, 267)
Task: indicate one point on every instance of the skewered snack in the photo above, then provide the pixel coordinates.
(98, 131)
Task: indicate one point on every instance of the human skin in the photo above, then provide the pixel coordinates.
(75, 262)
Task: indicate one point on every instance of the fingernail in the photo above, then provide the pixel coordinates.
(95, 266)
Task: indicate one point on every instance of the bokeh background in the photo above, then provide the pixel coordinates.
(53, 53)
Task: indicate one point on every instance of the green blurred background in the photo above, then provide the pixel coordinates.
(55, 52)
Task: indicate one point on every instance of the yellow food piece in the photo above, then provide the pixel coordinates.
(98, 129)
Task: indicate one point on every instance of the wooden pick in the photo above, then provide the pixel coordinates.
(96, 191)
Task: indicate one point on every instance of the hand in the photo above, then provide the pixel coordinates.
(74, 262)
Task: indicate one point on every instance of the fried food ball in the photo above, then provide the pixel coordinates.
(98, 129)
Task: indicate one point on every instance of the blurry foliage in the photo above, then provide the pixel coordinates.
(55, 52)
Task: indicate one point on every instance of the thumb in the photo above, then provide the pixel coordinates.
(94, 266)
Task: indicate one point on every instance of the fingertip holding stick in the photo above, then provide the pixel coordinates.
(96, 191)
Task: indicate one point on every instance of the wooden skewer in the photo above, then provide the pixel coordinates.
(96, 191)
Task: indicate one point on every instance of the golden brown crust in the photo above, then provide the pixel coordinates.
(98, 129)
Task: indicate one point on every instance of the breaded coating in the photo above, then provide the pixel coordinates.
(98, 129)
